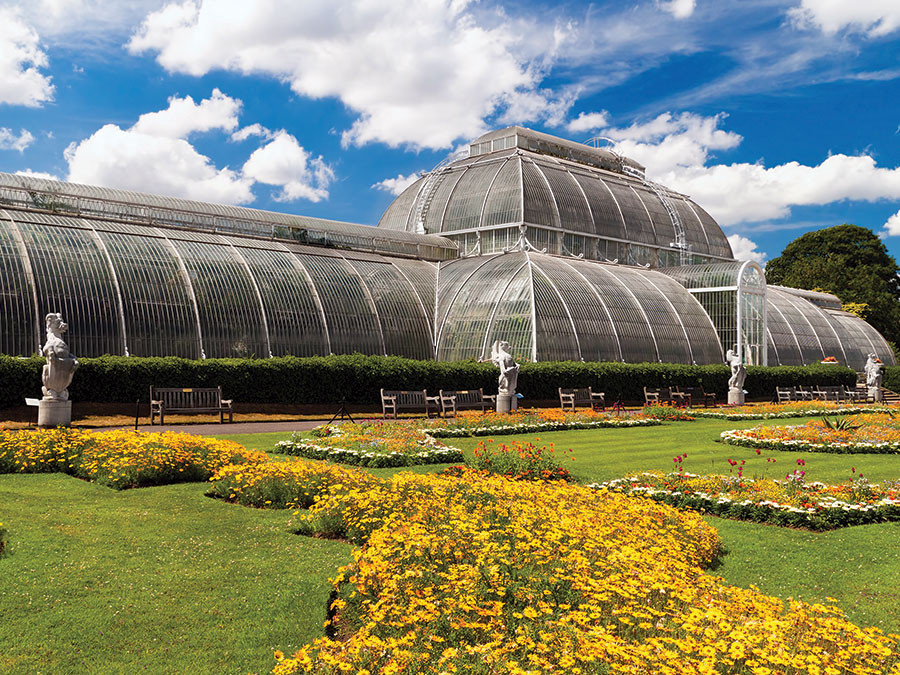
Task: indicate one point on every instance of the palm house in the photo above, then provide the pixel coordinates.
(564, 250)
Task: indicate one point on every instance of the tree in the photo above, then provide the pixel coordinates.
(850, 262)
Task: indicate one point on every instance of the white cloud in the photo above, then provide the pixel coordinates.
(283, 162)
(252, 130)
(416, 73)
(397, 185)
(744, 249)
(21, 57)
(892, 226)
(676, 150)
(875, 18)
(184, 117)
(670, 141)
(9, 140)
(36, 174)
(132, 160)
(588, 121)
(680, 9)
(155, 156)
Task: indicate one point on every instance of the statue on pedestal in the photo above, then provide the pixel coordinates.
(738, 375)
(873, 377)
(55, 408)
(61, 365)
(509, 376)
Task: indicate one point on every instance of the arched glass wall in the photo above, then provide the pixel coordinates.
(147, 291)
(802, 333)
(734, 296)
(551, 308)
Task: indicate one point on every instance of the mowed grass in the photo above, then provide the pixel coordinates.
(161, 579)
(857, 566)
(165, 580)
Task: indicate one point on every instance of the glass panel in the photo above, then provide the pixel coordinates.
(229, 310)
(159, 314)
(464, 208)
(574, 212)
(72, 277)
(503, 202)
(18, 327)
(540, 207)
(404, 321)
(607, 217)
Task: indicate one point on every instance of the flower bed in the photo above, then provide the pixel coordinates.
(518, 461)
(766, 411)
(872, 433)
(528, 420)
(295, 483)
(791, 502)
(372, 444)
(482, 574)
(120, 459)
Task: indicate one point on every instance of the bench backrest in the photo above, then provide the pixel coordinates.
(187, 397)
(579, 394)
(465, 396)
(405, 399)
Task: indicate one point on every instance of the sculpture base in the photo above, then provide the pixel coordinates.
(876, 395)
(735, 397)
(53, 413)
(506, 403)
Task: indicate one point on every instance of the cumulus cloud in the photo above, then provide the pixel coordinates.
(21, 58)
(251, 130)
(421, 74)
(397, 185)
(36, 174)
(874, 18)
(892, 226)
(283, 162)
(132, 160)
(680, 9)
(154, 155)
(677, 151)
(670, 141)
(588, 121)
(745, 249)
(9, 140)
(184, 117)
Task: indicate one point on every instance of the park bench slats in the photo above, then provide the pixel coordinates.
(188, 400)
(581, 397)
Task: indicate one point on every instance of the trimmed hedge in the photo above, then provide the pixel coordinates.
(358, 378)
(891, 379)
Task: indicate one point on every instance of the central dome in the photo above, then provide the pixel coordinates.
(565, 197)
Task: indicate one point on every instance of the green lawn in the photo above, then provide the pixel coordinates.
(166, 580)
(163, 579)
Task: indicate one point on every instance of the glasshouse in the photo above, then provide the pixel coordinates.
(564, 250)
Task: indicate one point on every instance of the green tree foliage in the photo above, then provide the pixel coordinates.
(852, 263)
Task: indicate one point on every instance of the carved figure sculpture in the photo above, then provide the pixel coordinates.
(738, 371)
(873, 371)
(61, 365)
(509, 369)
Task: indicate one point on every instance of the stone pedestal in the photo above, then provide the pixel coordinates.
(876, 395)
(735, 397)
(507, 403)
(54, 413)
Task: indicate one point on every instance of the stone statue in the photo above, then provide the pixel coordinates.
(736, 381)
(61, 365)
(509, 376)
(873, 377)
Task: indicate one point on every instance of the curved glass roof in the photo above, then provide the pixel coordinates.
(551, 308)
(512, 186)
(73, 199)
(802, 333)
(146, 291)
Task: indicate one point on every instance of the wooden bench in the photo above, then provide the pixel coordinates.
(393, 401)
(569, 399)
(694, 395)
(193, 400)
(664, 395)
(465, 398)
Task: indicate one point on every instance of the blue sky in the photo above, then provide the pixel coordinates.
(779, 117)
